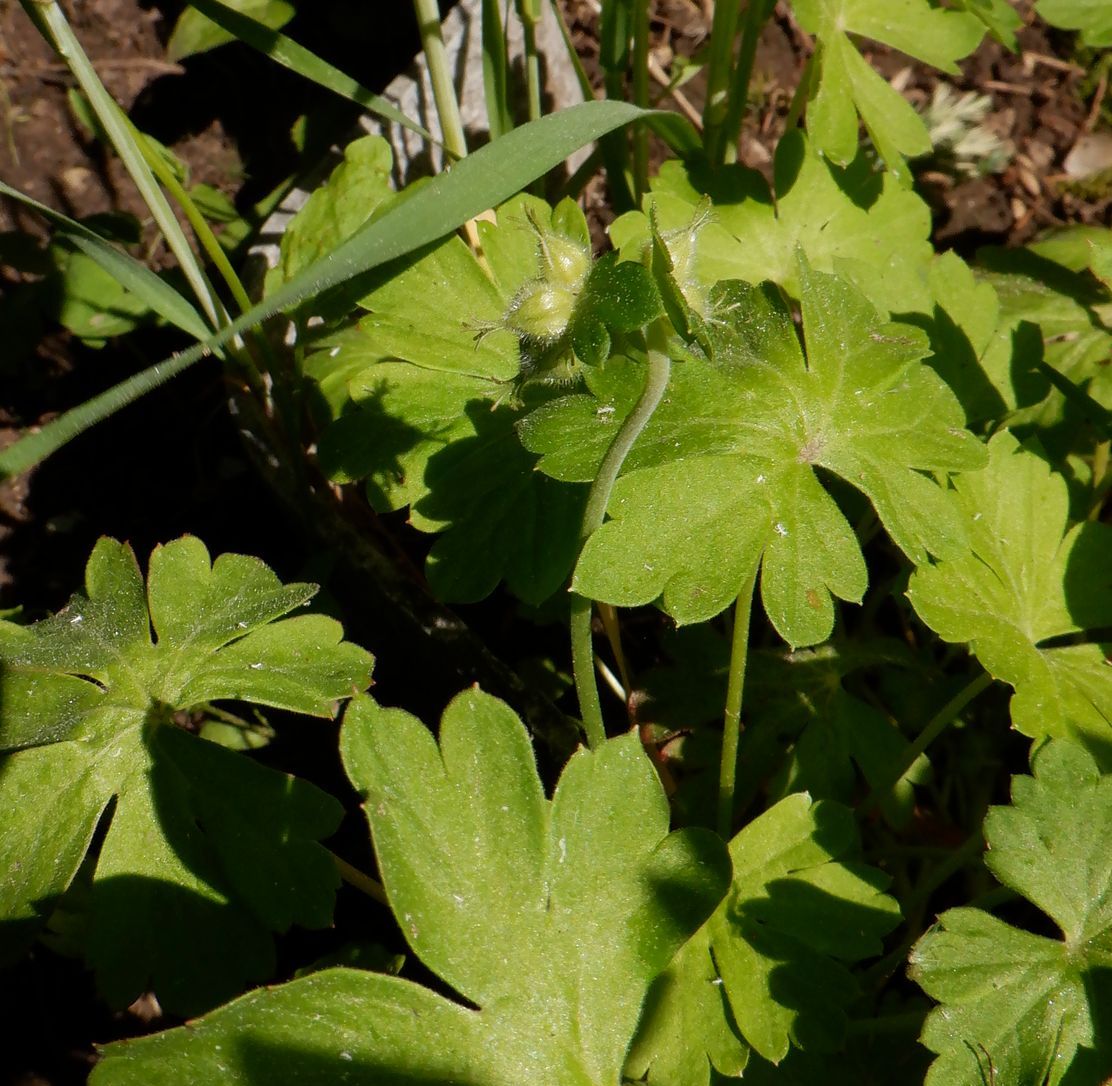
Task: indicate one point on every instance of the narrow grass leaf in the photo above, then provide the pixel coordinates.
(487, 177)
(126, 270)
(285, 51)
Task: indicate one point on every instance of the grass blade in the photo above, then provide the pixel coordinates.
(126, 270)
(487, 177)
(496, 83)
(51, 20)
(285, 51)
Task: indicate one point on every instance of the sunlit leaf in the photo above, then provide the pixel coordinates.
(849, 86)
(1019, 1007)
(206, 852)
(1030, 578)
(723, 478)
(769, 969)
(550, 917)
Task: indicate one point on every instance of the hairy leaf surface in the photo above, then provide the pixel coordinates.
(552, 917)
(769, 969)
(1028, 579)
(422, 397)
(725, 475)
(1029, 1009)
(206, 851)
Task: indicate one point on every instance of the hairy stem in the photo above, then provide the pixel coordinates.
(582, 647)
(731, 724)
(935, 727)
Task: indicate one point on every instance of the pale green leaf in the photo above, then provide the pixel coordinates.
(551, 917)
(999, 16)
(848, 85)
(1028, 579)
(195, 33)
(206, 852)
(1092, 17)
(430, 413)
(769, 970)
(723, 478)
(1024, 1008)
(863, 226)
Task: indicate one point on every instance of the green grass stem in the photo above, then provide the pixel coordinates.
(756, 15)
(285, 51)
(440, 73)
(51, 20)
(719, 69)
(483, 180)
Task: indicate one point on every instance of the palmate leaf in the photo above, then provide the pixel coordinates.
(865, 227)
(421, 392)
(206, 852)
(1021, 1008)
(835, 737)
(769, 969)
(1028, 579)
(724, 476)
(552, 917)
(1047, 286)
(848, 85)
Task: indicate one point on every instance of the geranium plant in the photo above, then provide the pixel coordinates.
(824, 507)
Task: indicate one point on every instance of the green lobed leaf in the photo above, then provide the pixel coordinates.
(1019, 1007)
(769, 970)
(1001, 19)
(849, 86)
(428, 416)
(552, 917)
(836, 738)
(984, 348)
(723, 478)
(865, 227)
(206, 852)
(1029, 578)
(1047, 286)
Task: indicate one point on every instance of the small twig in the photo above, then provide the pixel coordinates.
(1052, 62)
(677, 96)
(360, 880)
(1007, 88)
(153, 64)
(1098, 101)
